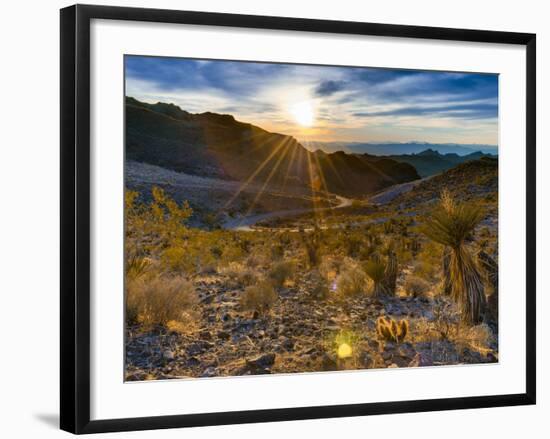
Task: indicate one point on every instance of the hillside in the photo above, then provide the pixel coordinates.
(430, 162)
(218, 146)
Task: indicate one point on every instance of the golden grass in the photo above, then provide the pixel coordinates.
(158, 300)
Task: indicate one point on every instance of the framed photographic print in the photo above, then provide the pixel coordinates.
(269, 218)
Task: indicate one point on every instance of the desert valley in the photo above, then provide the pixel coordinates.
(249, 253)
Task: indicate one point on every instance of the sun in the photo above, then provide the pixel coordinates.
(303, 114)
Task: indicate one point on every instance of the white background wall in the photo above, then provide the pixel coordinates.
(29, 200)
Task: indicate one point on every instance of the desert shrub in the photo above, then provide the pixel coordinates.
(281, 272)
(390, 330)
(311, 242)
(277, 252)
(451, 224)
(352, 281)
(239, 273)
(174, 259)
(319, 286)
(416, 286)
(259, 297)
(477, 337)
(136, 266)
(157, 301)
(329, 267)
(156, 224)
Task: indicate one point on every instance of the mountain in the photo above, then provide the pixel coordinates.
(217, 145)
(430, 162)
(472, 180)
(396, 148)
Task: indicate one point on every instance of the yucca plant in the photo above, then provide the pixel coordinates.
(451, 224)
(491, 269)
(376, 270)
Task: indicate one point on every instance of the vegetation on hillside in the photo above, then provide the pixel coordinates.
(399, 286)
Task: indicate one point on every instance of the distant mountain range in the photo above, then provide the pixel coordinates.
(217, 145)
(430, 162)
(395, 148)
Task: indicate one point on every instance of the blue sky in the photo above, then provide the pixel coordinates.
(321, 103)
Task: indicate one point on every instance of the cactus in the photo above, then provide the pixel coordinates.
(390, 274)
(391, 330)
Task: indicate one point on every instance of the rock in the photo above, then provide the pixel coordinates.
(193, 361)
(199, 347)
(205, 335)
(421, 360)
(469, 356)
(491, 358)
(222, 335)
(329, 362)
(209, 372)
(374, 344)
(288, 344)
(393, 366)
(262, 361)
(168, 355)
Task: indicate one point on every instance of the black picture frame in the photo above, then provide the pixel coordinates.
(75, 217)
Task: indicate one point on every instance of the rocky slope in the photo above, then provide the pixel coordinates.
(295, 337)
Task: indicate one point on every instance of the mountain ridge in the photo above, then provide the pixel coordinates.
(217, 145)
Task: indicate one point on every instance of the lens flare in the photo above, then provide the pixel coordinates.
(344, 351)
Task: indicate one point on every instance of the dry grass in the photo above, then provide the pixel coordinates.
(157, 301)
(239, 273)
(260, 297)
(416, 286)
(352, 281)
(281, 272)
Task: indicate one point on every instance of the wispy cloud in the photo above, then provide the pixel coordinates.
(350, 103)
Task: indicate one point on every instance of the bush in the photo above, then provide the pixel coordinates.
(281, 272)
(260, 297)
(416, 286)
(319, 286)
(352, 281)
(239, 273)
(159, 300)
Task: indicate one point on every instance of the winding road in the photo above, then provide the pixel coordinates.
(246, 223)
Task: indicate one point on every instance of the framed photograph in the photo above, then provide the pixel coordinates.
(268, 218)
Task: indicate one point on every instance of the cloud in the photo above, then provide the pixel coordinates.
(461, 111)
(351, 103)
(327, 88)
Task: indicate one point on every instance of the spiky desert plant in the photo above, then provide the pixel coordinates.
(312, 245)
(390, 274)
(447, 285)
(451, 224)
(376, 270)
(491, 269)
(392, 330)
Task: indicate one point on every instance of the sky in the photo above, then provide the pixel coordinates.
(327, 103)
